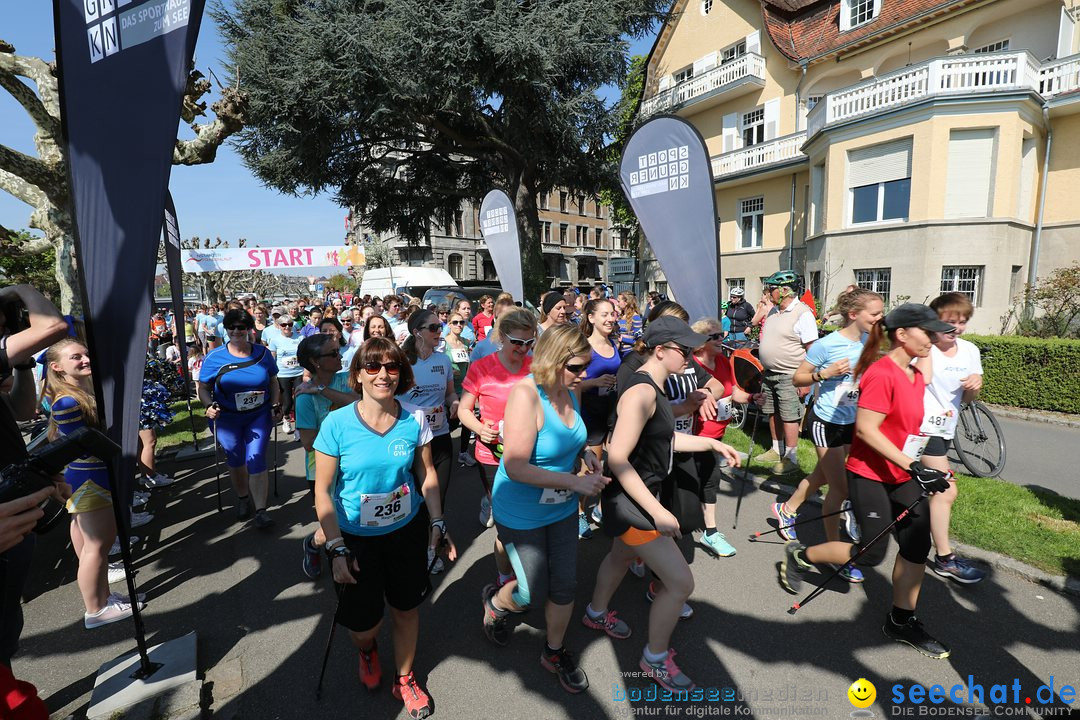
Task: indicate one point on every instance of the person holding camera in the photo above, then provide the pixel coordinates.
(28, 324)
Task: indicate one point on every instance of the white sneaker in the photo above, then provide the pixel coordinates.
(597, 515)
(118, 597)
(114, 610)
(116, 572)
(138, 519)
(286, 426)
(115, 549)
(438, 567)
(485, 512)
(638, 567)
(158, 480)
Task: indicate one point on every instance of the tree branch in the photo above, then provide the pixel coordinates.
(29, 169)
(21, 189)
(43, 75)
(230, 113)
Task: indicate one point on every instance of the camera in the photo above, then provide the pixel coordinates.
(16, 318)
(44, 463)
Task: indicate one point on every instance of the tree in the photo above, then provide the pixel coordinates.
(41, 182)
(1050, 308)
(220, 286)
(339, 282)
(36, 269)
(405, 108)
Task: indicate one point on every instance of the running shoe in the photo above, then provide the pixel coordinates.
(769, 456)
(138, 519)
(417, 702)
(638, 567)
(667, 674)
(286, 426)
(465, 458)
(912, 633)
(243, 508)
(370, 669)
(263, 519)
(115, 549)
(849, 573)
(139, 499)
(597, 514)
(485, 512)
(438, 566)
(609, 623)
(957, 568)
(116, 572)
(113, 611)
(851, 523)
(158, 480)
(584, 532)
(312, 558)
(716, 544)
(686, 613)
(785, 519)
(793, 566)
(785, 466)
(118, 597)
(564, 664)
(496, 626)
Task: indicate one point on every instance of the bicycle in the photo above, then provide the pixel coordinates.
(979, 441)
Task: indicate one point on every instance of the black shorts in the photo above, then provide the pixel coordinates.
(877, 504)
(825, 434)
(393, 567)
(937, 446)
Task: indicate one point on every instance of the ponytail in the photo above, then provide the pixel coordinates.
(416, 319)
(871, 350)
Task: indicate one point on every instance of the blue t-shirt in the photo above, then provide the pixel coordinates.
(725, 324)
(312, 409)
(525, 507)
(199, 320)
(373, 470)
(429, 391)
(483, 348)
(268, 332)
(211, 323)
(285, 347)
(249, 385)
(837, 397)
(347, 352)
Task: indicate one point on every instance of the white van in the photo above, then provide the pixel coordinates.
(412, 280)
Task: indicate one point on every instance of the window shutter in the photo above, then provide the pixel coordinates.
(753, 42)
(845, 15)
(664, 84)
(1065, 34)
(1028, 179)
(699, 65)
(731, 132)
(772, 118)
(879, 163)
(971, 159)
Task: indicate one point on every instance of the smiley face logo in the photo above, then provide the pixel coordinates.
(862, 693)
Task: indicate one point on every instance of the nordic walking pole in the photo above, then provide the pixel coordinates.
(746, 470)
(217, 461)
(276, 497)
(329, 639)
(760, 533)
(821, 588)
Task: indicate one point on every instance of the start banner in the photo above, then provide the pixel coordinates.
(272, 258)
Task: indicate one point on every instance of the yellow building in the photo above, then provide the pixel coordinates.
(910, 146)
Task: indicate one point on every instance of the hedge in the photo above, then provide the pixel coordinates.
(1030, 372)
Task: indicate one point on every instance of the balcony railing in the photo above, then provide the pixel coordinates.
(946, 77)
(748, 66)
(760, 156)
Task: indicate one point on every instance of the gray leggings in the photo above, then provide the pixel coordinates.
(544, 558)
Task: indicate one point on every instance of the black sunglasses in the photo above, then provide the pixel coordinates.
(330, 354)
(685, 352)
(392, 368)
(576, 368)
(433, 327)
(519, 342)
(457, 322)
(285, 324)
(237, 328)
(716, 336)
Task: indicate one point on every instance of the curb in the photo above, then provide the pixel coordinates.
(1040, 416)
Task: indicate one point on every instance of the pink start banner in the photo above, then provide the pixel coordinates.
(272, 258)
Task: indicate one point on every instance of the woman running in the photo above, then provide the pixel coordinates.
(432, 392)
(377, 497)
(598, 388)
(69, 390)
(831, 419)
(457, 348)
(535, 494)
(884, 473)
(283, 347)
(629, 321)
(328, 390)
(237, 385)
(640, 459)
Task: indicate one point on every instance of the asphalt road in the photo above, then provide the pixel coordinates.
(1042, 455)
(262, 626)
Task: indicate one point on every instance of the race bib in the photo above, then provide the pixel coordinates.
(939, 418)
(846, 394)
(684, 424)
(556, 496)
(459, 355)
(436, 418)
(915, 445)
(723, 409)
(384, 509)
(290, 362)
(249, 400)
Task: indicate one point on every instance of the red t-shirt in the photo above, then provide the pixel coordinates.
(885, 388)
(490, 382)
(482, 324)
(723, 373)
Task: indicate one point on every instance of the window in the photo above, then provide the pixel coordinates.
(683, 75)
(581, 205)
(545, 232)
(1014, 283)
(489, 268)
(966, 280)
(879, 179)
(706, 6)
(751, 222)
(735, 51)
(599, 209)
(753, 127)
(969, 180)
(812, 100)
(733, 283)
(545, 198)
(599, 237)
(459, 223)
(455, 266)
(815, 284)
(581, 236)
(854, 13)
(877, 279)
(562, 201)
(999, 46)
(564, 234)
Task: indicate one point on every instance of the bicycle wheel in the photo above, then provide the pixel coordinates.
(979, 442)
(738, 415)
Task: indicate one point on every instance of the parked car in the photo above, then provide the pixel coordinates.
(450, 296)
(402, 279)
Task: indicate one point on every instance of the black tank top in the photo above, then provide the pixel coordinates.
(652, 455)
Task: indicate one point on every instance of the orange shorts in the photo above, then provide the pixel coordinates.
(633, 536)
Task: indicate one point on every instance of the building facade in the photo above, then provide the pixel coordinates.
(898, 144)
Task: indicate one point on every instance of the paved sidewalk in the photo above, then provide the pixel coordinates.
(262, 626)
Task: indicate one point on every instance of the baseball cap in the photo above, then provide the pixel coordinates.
(915, 315)
(672, 329)
(277, 310)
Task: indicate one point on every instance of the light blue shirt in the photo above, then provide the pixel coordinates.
(483, 348)
(285, 350)
(429, 391)
(836, 397)
(312, 409)
(467, 333)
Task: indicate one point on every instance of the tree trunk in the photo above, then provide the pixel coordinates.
(533, 272)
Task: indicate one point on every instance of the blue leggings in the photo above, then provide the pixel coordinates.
(244, 437)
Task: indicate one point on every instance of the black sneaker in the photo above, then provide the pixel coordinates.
(312, 558)
(496, 627)
(243, 508)
(564, 664)
(263, 519)
(912, 633)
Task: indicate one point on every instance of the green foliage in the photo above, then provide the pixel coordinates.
(37, 269)
(405, 108)
(1042, 374)
(1051, 308)
(340, 282)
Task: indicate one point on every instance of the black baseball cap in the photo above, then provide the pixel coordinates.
(672, 329)
(915, 315)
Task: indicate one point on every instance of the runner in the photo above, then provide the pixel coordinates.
(490, 342)
(598, 388)
(884, 472)
(485, 319)
(457, 349)
(536, 488)
(238, 388)
(377, 497)
(315, 316)
(432, 392)
(377, 326)
(464, 309)
(640, 460)
(830, 421)
(954, 376)
(630, 323)
(552, 310)
(327, 390)
(283, 347)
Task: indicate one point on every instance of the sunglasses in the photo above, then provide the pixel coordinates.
(333, 355)
(237, 328)
(285, 324)
(519, 342)
(680, 349)
(433, 327)
(457, 322)
(716, 336)
(576, 368)
(392, 368)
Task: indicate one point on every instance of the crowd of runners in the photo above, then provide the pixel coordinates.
(593, 416)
